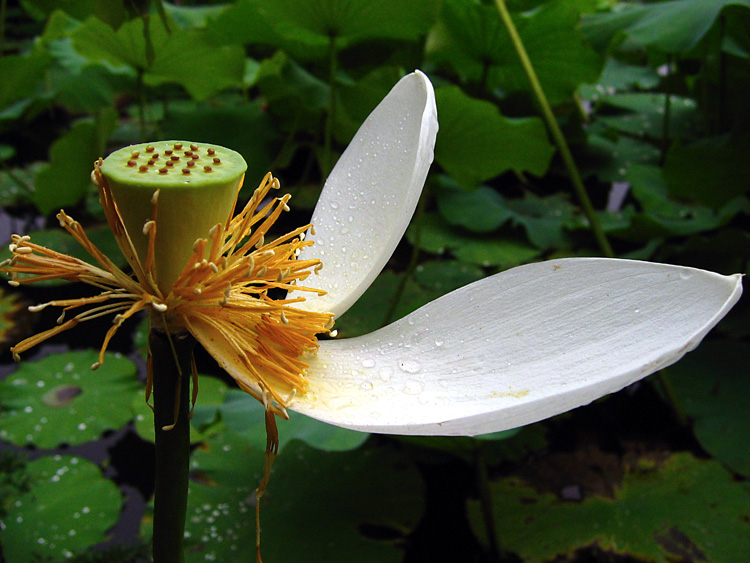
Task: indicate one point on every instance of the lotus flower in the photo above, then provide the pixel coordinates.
(511, 349)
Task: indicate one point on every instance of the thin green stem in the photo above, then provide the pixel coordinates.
(331, 117)
(555, 131)
(171, 361)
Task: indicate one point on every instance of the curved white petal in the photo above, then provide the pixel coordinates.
(370, 196)
(517, 347)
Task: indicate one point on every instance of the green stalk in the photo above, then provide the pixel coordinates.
(171, 361)
(555, 131)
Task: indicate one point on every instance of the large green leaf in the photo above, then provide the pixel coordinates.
(711, 171)
(305, 28)
(60, 400)
(67, 178)
(68, 508)
(686, 509)
(503, 252)
(477, 143)
(673, 27)
(471, 39)
(21, 75)
(714, 390)
(189, 57)
(319, 506)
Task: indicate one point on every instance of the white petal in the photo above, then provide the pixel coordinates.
(370, 196)
(517, 347)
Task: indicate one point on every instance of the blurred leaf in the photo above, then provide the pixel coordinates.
(245, 416)
(21, 74)
(673, 27)
(612, 160)
(713, 389)
(684, 509)
(67, 178)
(430, 280)
(470, 38)
(60, 400)
(710, 171)
(619, 76)
(481, 210)
(642, 115)
(297, 98)
(476, 143)
(243, 127)
(69, 507)
(347, 522)
(304, 28)
(112, 13)
(502, 252)
(187, 57)
(664, 216)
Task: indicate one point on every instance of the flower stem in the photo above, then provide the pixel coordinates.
(555, 131)
(171, 361)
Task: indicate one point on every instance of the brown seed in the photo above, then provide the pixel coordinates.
(170, 163)
(134, 154)
(195, 157)
(178, 146)
(150, 148)
(207, 169)
(191, 163)
(132, 163)
(193, 147)
(188, 153)
(168, 151)
(175, 158)
(211, 152)
(217, 160)
(143, 168)
(163, 170)
(186, 170)
(151, 162)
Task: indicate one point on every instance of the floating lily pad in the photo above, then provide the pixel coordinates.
(60, 400)
(686, 509)
(69, 506)
(352, 506)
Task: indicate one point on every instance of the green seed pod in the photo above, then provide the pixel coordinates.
(197, 186)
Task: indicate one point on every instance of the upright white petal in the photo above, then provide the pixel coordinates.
(370, 196)
(517, 347)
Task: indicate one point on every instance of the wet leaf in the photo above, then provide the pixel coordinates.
(714, 391)
(642, 114)
(68, 507)
(684, 509)
(60, 400)
(351, 521)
